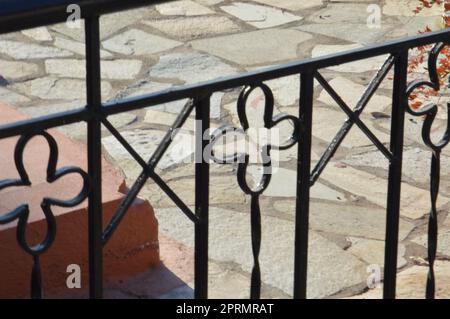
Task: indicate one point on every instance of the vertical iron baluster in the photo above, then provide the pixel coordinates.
(202, 113)
(36, 278)
(433, 222)
(303, 185)
(93, 83)
(395, 174)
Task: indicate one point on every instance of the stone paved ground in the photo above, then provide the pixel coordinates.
(188, 41)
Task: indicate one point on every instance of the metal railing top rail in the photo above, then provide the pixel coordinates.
(16, 15)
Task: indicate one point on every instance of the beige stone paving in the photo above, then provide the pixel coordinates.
(189, 41)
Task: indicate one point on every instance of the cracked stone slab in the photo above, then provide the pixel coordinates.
(346, 220)
(138, 42)
(191, 67)
(330, 268)
(292, 5)
(183, 8)
(352, 67)
(13, 70)
(53, 88)
(26, 51)
(114, 70)
(415, 202)
(190, 28)
(259, 16)
(256, 47)
(372, 252)
(341, 13)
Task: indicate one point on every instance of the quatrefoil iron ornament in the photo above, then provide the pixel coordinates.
(429, 112)
(22, 212)
(243, 160)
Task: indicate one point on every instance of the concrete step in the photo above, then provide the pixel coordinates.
(133, 249)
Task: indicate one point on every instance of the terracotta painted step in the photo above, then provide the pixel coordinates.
(133, 249)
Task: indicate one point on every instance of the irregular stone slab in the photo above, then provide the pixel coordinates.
(191, 67)
(415, 202)
(209, 2)
(346, 220)
(77, 47)
(38, 34)
(166, 118)
(327, 122)
(259, 16)
(358, 33)
(286, 90)
(53, 88)
(330, 268)
(292, 5)
(113, 70)
(145, 143)
(13, 70)
(411, 283)
(109, 23)
(407, 7)
(416, 161)
(353, 67)
(183, 8)
(256, 47)
(190, 28)
(146, 87)
(137, 42)
(372, 252)
(351, 92)
(25, 51)
(10, 97)
(341, 13)
(411, 25)
(284, 181)
(224, 283)
(443, 246)
(224, 190)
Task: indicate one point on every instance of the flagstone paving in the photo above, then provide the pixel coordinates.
(188, 41)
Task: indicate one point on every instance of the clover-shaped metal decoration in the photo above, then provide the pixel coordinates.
(21, 213)
(429, 112)
(243, 160)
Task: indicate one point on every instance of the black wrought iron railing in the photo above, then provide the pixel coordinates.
(20, 14)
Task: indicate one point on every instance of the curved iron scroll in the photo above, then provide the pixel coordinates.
(22, 212)
(243, 161)
(429, 111)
